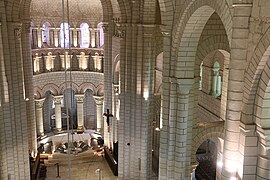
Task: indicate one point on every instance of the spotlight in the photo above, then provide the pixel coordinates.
(219, 164)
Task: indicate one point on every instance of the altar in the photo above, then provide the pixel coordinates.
(78, 142)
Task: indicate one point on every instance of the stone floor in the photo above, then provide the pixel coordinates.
(83, 167)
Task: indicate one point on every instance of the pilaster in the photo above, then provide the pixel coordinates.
(107, 76)
(231, 153)
(115, 110)
(248, 150)
(165, 108)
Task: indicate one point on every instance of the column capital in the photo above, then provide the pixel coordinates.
(17, 30)
(185, 85)
(79, 98)
(39, 102)
(105, 27)
(116, 89)
(99, 100)
(57, 99)
(119, 31)
(165, 31)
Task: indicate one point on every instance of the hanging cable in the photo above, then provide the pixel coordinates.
(64, 24)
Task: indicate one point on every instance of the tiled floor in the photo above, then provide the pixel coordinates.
(83, 167)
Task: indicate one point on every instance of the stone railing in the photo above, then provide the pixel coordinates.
(75, 59)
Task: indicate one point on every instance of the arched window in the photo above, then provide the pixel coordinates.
(85, 36)
(46, 34)
(216, 89)
(101, 35)
(64, 35)
(201, 73)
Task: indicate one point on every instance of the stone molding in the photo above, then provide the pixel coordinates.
(105, 27)
(185, 85)
(99, 100)
(116, 89)
(39, 103)
(57, 99)
(79, 98)
(17, 30)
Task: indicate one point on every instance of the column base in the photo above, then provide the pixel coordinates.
(40, 135)
(99, 130)
(80, 128)
(58, 129)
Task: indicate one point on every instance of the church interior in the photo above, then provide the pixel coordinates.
(135, 89)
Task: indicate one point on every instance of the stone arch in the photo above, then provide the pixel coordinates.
(70, 23)
(80, 22)
(207, 46)
(25, 9)
(204, 134)
(107, 10)
(125, 10)
(50, 87)
(100, 89)
(253, 73)
(262, 99)
(165, 11)
(261, 117)
(191, 36)
(85, 86)
(37, 93)
(149, 11)
(71, 85)
(12, 8)
(196, 15)
(46, 21)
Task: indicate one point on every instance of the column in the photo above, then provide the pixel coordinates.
(215, 81)
(193, 168)
(80, 115)
(115, 111)
(99, 104)
(39, 37)
(34, 38)
(58, 117)
(241, 12)
(15, 131)
(90, 37)
(79, 38)
(165, 104)
(75, 38)
(39, 117)
(251, 154)
(56, 39)
(181, 167)
(92, 34)
(97, 40)
(51, 38)
(71, 42)
(107, 77)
